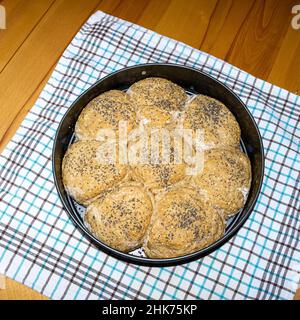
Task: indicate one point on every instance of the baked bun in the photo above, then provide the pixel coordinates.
(225, 179)
(157, 100)
(219, 126)
(156, 177)
(183, 223)
(121, 217)
(105, 112)
(84, 173)
(156, 173)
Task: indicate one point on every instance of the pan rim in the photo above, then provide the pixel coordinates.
(154, 262)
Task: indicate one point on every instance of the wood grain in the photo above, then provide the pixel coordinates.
(255, 35)
(225, 23)
(37, 55)
(17, 291)
(257, 42)
(286, 66)
(186, 29)
(2, 282)
(22, 18)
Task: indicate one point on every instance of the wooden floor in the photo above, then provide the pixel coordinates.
(255, 35)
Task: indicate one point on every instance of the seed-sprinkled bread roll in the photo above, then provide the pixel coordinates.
(159, 172)
(156, 177)
(183, 223)
(84, 173)
(158, 100)
(219, 126)
(105, 112)
(120, 218)
(225, 179)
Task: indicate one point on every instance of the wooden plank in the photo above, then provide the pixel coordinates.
(258, 41)
(38, 54)
(146, 13)
(125, 9)
(2, 282)
(22, 17)
(224, 25)
(18, 291)
(297, 295)
(286, 67)
(153, 13)
(186, 21)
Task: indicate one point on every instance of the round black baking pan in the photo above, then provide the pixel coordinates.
(194, 82)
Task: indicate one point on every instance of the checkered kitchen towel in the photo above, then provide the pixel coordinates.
(40, 246)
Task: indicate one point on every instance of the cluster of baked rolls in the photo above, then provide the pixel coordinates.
(157, 206)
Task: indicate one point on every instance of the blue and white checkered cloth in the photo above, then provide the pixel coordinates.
(40, 246)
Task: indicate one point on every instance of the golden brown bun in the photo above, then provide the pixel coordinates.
(105, 112)
(225, 179)
(121, 217)
(219, 126)
(183, 223)
(157, 100)
(85, 176)
(159, 174)
(156, 177)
